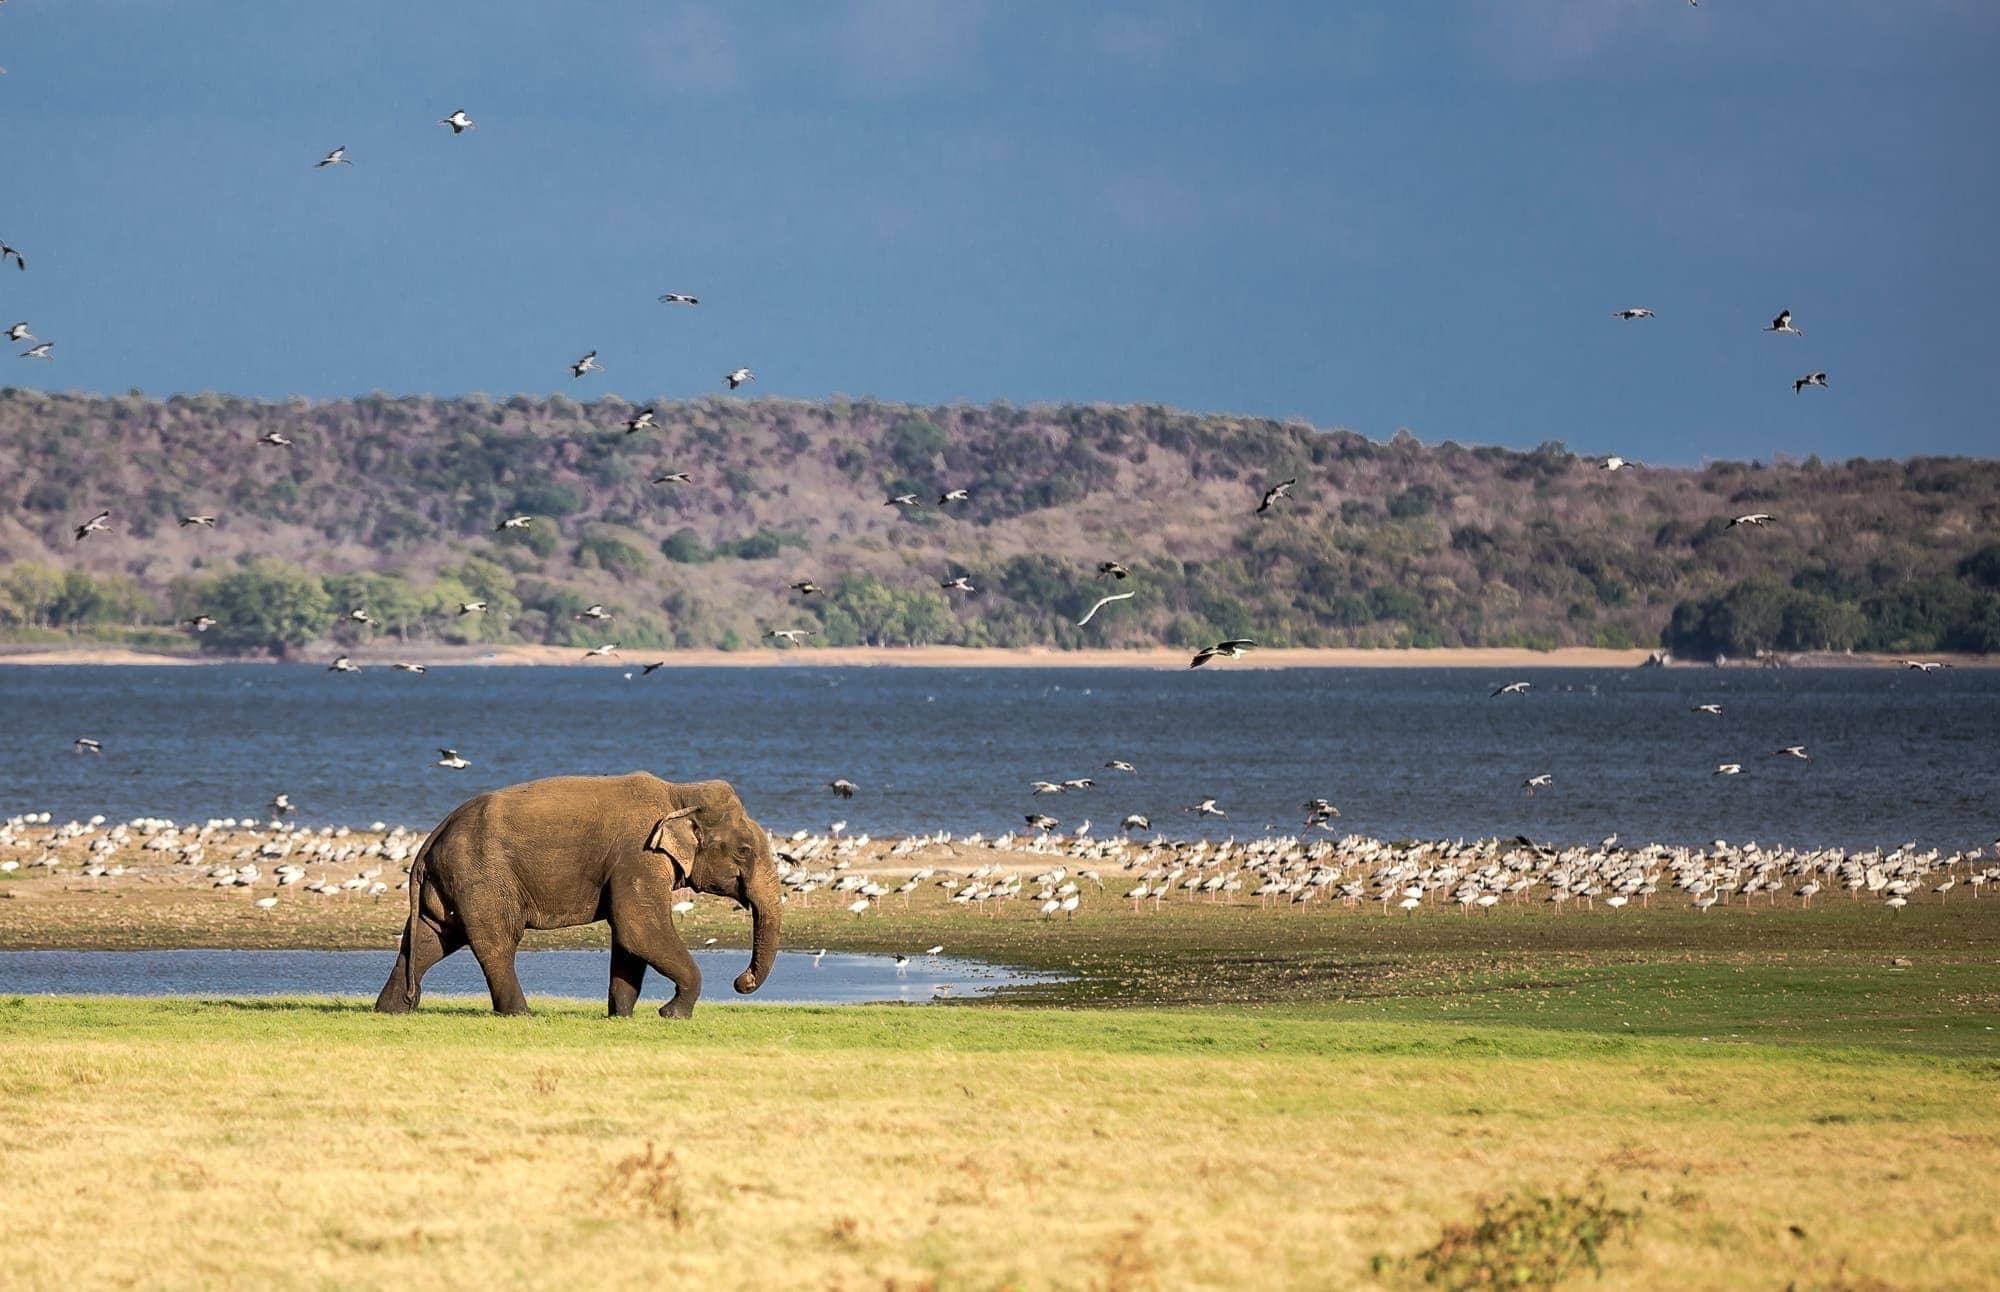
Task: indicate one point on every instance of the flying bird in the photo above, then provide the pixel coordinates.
(1235, 648)
(903, 500)
(1712, 709)
(514, 522)
(338, 157)
(8, 253)
(790, 636)
(593, 611)
(1041, 822)
(656, 664)
(1616, 463)
(738, 377)
(1923, 665)
(200, 623)
(1135, 822)
(1793, 751)
(1635, 312)
(1103, 602)
(677, 298)
(1540, 780)
(606, 650)
(85, 745)
(1810, 379)
(953, 495)
(1205, 808)
(360, 615)
(1114, 569)
(20, 332)
(458, 121)
(342, 664)
(449, 758)
(274, 439)
(962, 583)
(404, 666)
(471, 607)
(1783, 323)
(1512, 688)
(1754, 519)
(1283, 489)
(1729, 769)
(806, 588)
(40, 351)
(586, 364)
(95, 525)
(843, 787)
(206, 522)
(674, 477)
(643, 420)
(1120, 765)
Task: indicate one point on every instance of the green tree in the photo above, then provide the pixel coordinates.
(266, 607)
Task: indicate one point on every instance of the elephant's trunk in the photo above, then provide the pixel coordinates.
(763, 903)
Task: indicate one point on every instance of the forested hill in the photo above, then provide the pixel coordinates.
(391, 504)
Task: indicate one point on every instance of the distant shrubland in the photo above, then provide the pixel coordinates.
(391, 504)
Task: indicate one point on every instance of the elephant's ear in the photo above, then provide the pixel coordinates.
(676, 835)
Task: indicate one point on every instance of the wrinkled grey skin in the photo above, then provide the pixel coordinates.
(574, 850)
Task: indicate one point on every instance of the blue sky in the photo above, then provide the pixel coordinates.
(1413, 214)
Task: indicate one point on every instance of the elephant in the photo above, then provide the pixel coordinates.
(570, 850)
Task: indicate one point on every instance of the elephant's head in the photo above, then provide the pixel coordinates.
(719, 850)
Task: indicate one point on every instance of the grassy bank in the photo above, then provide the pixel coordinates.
(308, 1143)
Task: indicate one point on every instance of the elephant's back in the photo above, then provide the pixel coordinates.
(556, 802)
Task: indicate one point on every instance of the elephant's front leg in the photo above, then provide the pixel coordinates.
(628, 971)
(642, 923)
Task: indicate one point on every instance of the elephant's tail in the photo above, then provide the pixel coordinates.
(418, 870)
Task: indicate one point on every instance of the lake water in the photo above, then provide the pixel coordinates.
(839, 979)
(1895, 755)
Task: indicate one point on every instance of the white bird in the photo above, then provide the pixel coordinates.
(1783, 323)
(937, 950)
(1103, 602)
(1616, 463)
(902, 964)
(265, 903)
(738, 377)
(1135, 822)
(609, 648)
(450, 758)
(40, 351)
(200, 623)
(1540, 780)
(1512, 688)
(678, 298)
(954, 495)
(818, 956)
(85, 745)
(20, 332)
(342, 664)
(1793, 751)
(586, 364)
(1205, 808)
(458, 121)
(1923, 665)
(404, 666)
(1729, 769)
(206, 522)
(95, 525)
(674, 477)
(790, 635)
(360, 615)
(682, 907)
(1810, 379)
(643, 420)
(1714, 709)
(338, 157)
(1635, 312)
(471, 607)
(593, 611)
(1120, 765)
(858, 907)
(1754, 519)
(960, 584)
(903, 500)
(514, 522)
(274, 439)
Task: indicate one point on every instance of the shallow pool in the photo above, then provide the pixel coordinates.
(795, 979)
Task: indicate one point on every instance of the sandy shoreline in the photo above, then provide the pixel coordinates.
(381, 654)
(1504, 657)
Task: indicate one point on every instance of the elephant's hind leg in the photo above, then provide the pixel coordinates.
(628, 971)
(495, 950)
(423, 945)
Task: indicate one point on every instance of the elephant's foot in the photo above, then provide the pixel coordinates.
(513, 1011)
(393, 1005)
(677, 1008)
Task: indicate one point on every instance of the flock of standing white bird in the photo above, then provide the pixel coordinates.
(1287, 870)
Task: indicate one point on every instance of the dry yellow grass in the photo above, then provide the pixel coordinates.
(286, 1145)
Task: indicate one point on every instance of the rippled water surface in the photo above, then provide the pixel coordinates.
(582, 975)
(1895, 755)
